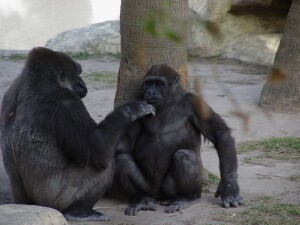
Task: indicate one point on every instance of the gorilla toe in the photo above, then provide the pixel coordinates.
(92, 215)
(144, 203)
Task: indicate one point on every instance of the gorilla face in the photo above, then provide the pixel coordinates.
(70, 75)
(155, 90)
(80, 88)
(160, 85)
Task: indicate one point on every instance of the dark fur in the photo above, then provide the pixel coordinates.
(160, 157)
(53, 151)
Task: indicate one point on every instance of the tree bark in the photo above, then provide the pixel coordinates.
(140, 50)
(285, 97)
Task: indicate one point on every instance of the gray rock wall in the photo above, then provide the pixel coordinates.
(247, 37)
(101, 38)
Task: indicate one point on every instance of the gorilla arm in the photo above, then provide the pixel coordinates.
(214, 128)
(78, 135)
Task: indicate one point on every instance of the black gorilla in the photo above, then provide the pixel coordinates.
(160, 157)
(53, 151)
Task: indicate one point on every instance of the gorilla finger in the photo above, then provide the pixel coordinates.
(171, 209)
(150, 110)
(180, 208)
(168, 210)
(240, 200)
(153, 111)
(152, 207)
(175, 208)
(225, 204)
(132, 212)
(129, 212)
(165, 203)
(234, 204)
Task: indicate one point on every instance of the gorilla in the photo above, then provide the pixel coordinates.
(159, 158)
(53, 151)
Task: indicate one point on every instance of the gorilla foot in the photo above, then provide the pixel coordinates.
(232, 201)
(179, 204)
(143, 203)
(90, 215)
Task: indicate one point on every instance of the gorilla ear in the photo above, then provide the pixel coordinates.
(41, 59)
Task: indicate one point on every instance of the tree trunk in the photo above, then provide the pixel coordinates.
(140, 50)
(285, 97)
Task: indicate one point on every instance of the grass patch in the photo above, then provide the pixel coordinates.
(295, 177)
(268, 211)
(99, 80)
(210, 181)
(17, 56)
(212, 178)
(79, 55)
(286, 148)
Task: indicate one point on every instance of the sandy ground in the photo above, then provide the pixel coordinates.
(221, 80)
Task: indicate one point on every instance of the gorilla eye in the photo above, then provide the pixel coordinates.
(148, 82)
(159, 83)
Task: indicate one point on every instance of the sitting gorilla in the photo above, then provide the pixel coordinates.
(53, 151)
(160, 157)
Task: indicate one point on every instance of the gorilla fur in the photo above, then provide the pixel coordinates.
(159, 158)
(53, 151)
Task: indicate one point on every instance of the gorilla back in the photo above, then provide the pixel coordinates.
(53, 151)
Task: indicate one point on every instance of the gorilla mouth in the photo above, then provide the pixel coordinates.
(151, 100)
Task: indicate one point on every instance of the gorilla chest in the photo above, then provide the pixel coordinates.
(157, 143)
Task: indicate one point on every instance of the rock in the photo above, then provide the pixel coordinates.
(30, 215)
(210, 9)
(206, 43)
(213, 32)
(257, 49)
(101, 38)
(247, 38)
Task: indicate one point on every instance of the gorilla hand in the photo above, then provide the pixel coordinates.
(138, 109)
(229, 191)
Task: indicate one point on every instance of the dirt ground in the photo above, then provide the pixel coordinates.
(221, 81)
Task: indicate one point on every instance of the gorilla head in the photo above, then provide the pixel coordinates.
(160, 85)
(60, 69)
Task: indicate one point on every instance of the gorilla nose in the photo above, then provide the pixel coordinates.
(151, 92)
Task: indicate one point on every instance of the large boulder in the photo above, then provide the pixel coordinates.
(213, 32)
(101, 38)
(245, 37)
(210, 9)
(30, 214)
(255, 48)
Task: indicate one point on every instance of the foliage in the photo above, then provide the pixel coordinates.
(295, 177)
(78, 55)
(17, 56)
(284, 148)
(158, 23)
(267, 211)
(210, 181)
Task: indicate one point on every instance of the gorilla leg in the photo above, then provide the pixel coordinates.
(183, 183)
(73, 190)
(133, 182)
(91, 187)
(82, 210)
(19, 195)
